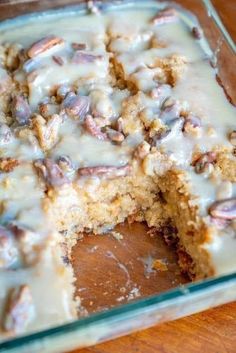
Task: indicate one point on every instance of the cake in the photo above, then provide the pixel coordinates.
(106, 117)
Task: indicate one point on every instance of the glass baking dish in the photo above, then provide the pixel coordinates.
(180, 301)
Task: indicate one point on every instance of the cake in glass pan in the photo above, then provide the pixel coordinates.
(106, 117)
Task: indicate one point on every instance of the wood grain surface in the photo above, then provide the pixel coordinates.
(213, 331)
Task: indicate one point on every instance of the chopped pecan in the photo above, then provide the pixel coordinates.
(19, 310)
(44, 44)
(196, 32)
(47, 131)
(174, 127)
(92, 128)
(51, 172)
(165, 16)
(48, 109)
(202, 163)
(65, 163)
(107, 171)
(114, 135)
(29, 243)
(224, 209)
(170, 112)
(191, 121)
(80, 57)
(8, 248)
(75, 105)
(20, 110)
(5, 134)
(8, 164)
(58, 60)
(78, 46)
(232, 137)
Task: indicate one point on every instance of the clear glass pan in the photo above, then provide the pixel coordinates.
(173, 304)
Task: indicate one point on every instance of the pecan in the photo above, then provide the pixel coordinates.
(8, 249)
(170, 112)
(8, 164)
(28, 242)
(48, 109)
(197, 33)
(78, 46)
(80, 57)
(65, 163)
(174, 127)
(220, 223)
(92, 128)
(58, 60)
(76, 106)
(20, 110)
(19, 310)
(107, 171)
(191, 121)
(114, 135)
(202, 163)
(44, 44)
(51, 172)
(232, 137)
(165, 16)
(47, 131)
(5, 134)
(224, 209)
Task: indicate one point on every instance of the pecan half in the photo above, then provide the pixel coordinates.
(197, 33)
(202, 163)
(107, 171)
(8, 248)
(44, 44)
(51, 172)
(80, 57)
(19, 310)
(8, 164)
(58, 60)
(20, 110)
(5, 134)
(224, 209)
(165, 16)
(76, 106)
(92, 128)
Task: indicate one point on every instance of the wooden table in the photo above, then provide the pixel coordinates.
(213, 331)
